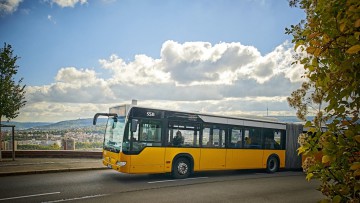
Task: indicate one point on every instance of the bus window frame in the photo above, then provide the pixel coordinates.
(234, 145)
(211, 127)
(132, 135)
(182, 125)
(250, 144)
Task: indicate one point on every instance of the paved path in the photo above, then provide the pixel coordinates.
(23, 166)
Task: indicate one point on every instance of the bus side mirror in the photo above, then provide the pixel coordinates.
(134, 123)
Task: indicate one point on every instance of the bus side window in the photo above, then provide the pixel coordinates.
(277, 139)
(206, 138)
(219, 138)
(236, 138)
(247, 139)
(268, 138)
(150, 131)
(183, 134)
(213, 137)
(272, 138)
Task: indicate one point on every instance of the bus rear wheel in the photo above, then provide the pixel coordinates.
(181, 168)
(272, 164)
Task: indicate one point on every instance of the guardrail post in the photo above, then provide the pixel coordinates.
(13, 142)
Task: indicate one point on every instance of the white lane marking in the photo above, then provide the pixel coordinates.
(164, 181)
(26, 196)
(77, 198)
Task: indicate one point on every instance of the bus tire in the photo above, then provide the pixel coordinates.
(181, 168)
(272, 164)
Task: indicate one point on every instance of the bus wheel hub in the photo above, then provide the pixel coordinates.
(182, 168)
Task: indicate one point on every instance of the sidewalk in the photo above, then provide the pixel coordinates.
(22, 166)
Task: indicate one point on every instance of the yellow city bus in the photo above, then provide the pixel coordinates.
(140, 140)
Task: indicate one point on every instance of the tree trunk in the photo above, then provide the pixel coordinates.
(0, 140)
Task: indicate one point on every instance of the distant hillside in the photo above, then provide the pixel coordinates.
(71, 124)
(287, 119)
(62, 125)
(25, 125)
(292, 119)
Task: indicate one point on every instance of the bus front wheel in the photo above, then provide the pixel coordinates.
(272, 164)
(181, 168)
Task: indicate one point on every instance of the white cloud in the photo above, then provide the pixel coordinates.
(200, 62)
(51, 19)
(143, 70)
(72, 86)
(68, 3)
(56, 111)
(9, 6)
(223, 78)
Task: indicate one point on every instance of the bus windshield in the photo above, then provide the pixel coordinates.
(114, 134)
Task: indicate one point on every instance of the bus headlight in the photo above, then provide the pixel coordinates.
(121, 163)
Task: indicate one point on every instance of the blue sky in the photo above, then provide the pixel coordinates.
(79, 57)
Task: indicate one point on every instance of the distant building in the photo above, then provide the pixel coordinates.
(7, 145)
(68, 143)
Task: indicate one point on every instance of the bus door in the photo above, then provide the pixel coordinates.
(147, 153)
(213, 152)
(252, 154)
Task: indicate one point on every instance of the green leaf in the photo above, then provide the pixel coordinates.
(324, 201)
(317, 52)
(301, 42)
(309, 176)
(342, 27)
(315, 62)
(357, 187)
(355, 166)
(312, 130)
(336, 199)
(325, 159)
(301, 150)
(357, 138)
(341, 109)
(308, 124)
(310, 50)
(354, 49)
(357, 173)
(341, 141)
(313, 35)
(349, 133)
(357, 35)
(311, 68)
(357, 23)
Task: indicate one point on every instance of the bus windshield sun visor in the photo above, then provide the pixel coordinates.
(103, 114)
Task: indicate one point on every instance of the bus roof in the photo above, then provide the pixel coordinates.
(255, 121)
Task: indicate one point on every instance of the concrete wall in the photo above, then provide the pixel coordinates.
(52, 154)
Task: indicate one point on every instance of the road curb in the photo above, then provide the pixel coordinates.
(16, 173)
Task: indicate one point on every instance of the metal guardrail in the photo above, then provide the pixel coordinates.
(52, 154)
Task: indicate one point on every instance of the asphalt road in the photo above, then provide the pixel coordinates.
(111, 186)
